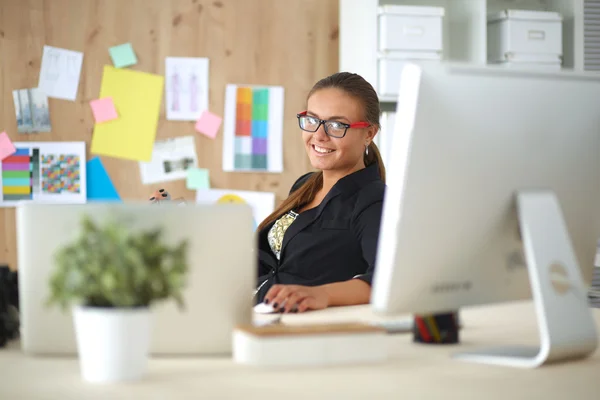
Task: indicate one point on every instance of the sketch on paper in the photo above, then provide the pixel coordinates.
(253, 129)
(60, 72)
(186, 81)
(171, 160)
(262, 203)
(47, 172)
(31, 111)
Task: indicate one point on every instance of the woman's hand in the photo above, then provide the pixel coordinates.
(296, 298)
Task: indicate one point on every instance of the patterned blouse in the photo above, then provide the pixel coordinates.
(277, 231)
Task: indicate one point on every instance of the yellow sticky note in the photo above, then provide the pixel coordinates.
(137, 96)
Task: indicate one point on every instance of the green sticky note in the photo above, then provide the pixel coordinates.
(123, 55)
(197, 179)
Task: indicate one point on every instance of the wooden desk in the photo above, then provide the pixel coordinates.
(415, 372)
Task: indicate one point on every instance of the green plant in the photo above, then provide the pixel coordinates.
(111, 266)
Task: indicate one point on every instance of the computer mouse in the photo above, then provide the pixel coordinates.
(262, 308)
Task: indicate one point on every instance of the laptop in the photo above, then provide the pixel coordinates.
(221, 276)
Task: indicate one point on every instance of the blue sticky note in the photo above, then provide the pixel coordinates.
(99, 185)
(123, 55)
(197, 179)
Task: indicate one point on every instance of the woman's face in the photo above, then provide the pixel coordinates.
(328, 153)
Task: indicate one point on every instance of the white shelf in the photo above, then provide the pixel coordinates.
(387, 99)
(464, 31)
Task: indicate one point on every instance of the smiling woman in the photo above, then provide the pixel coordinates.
(317, 249)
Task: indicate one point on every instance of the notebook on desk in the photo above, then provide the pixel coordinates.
(347, 314)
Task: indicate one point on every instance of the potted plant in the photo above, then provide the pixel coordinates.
(111, 276)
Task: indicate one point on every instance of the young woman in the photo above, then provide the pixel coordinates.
(317, 249)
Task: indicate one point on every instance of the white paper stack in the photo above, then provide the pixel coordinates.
(309, 345)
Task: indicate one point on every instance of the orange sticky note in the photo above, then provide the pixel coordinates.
(104, 109)
(6, 146)
(209, 124)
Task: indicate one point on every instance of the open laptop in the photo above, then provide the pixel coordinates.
(220, 283)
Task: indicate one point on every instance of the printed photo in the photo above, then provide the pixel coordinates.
(182, 164)
(171, 158)
(31, 110)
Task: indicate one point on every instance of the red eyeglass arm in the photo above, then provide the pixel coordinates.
(360, 125)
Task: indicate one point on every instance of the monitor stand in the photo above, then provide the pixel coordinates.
(566, 325)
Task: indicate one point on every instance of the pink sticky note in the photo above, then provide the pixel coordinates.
(209, 124)
(6, 146)
(104, 109)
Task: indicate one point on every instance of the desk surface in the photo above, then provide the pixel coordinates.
(415, 371)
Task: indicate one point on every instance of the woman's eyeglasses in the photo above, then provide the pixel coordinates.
(334, 129)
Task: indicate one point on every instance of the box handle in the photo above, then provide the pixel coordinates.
(413, 31)
(536, 35)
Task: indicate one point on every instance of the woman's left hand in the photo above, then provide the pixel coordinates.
(296, 298)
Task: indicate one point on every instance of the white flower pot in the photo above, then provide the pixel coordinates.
(113, 343)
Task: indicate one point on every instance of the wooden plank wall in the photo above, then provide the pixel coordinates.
(292, 43)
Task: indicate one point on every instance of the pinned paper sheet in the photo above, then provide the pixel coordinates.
(209, 124)
(186, 87)
(253, 129)
(99, 184)
(137, 96)
(6, 146)
(197, 179)
(31, 111)
(44, 172)
(123, 55)
(262, 203)
(59, 73)
(171, 159)
(103, 110)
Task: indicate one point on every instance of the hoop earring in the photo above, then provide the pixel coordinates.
(366, 149)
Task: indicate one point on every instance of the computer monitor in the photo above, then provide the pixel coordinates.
(494, 195)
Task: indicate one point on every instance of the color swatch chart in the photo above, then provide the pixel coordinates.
(20, 175)
(251, 128)
(61, 173)
(44, 172)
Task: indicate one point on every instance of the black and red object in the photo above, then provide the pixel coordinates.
(436, 328)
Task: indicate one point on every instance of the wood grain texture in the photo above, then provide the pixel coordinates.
(291, 43)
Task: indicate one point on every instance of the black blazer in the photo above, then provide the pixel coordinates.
(333, 242)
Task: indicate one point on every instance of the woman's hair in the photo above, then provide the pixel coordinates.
(357, 87)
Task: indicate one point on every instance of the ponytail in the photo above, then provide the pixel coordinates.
(374, 156)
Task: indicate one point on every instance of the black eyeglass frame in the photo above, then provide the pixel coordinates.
(361, 124)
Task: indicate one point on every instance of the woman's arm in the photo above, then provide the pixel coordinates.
(298, 298)
(351, 292)
(348, 293)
